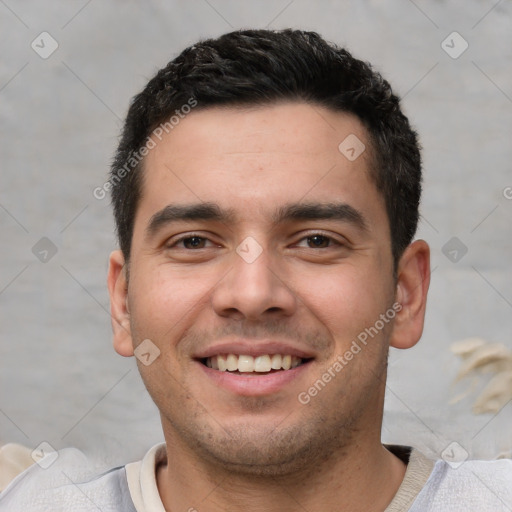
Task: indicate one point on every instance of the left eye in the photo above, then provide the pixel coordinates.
(318, 241)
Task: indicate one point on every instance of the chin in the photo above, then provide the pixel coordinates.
(279, 453)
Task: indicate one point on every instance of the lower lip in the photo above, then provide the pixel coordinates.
(254, 384)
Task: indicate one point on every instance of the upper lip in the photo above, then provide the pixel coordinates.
(254, 348)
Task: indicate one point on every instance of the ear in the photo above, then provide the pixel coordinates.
(119, 310)
(411, 292)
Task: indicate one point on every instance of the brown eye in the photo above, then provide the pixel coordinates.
(193, 242)
(318, 241)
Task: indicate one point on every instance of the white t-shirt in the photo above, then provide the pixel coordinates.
(428, 486)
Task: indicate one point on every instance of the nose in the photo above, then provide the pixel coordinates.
(253, 289)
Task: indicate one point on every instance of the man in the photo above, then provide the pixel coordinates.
(266, 193)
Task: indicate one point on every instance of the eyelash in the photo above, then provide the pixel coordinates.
(186, 237)
(332, 240)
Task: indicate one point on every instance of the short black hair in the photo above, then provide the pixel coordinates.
(258, 67)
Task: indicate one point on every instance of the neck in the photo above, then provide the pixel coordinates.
(362, 477)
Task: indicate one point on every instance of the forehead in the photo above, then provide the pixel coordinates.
(294, 128)
(253, 159)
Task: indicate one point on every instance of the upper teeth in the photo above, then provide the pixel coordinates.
(245, 363)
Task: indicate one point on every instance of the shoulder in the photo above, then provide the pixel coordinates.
(472, 485)
(68, 484)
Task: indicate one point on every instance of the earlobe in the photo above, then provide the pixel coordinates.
(411, 292)
(119, 310)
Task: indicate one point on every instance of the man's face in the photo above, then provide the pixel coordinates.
(288, 253)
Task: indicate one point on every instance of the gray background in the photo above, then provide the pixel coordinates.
(60, 380)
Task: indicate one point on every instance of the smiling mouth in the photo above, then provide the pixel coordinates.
(247, 365)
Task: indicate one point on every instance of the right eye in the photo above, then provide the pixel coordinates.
(191, 242)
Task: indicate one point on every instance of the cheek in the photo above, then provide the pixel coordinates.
(345, 301)
(161, 300)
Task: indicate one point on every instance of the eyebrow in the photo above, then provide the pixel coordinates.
(199, 211)
(321, 211)
(291, 212)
